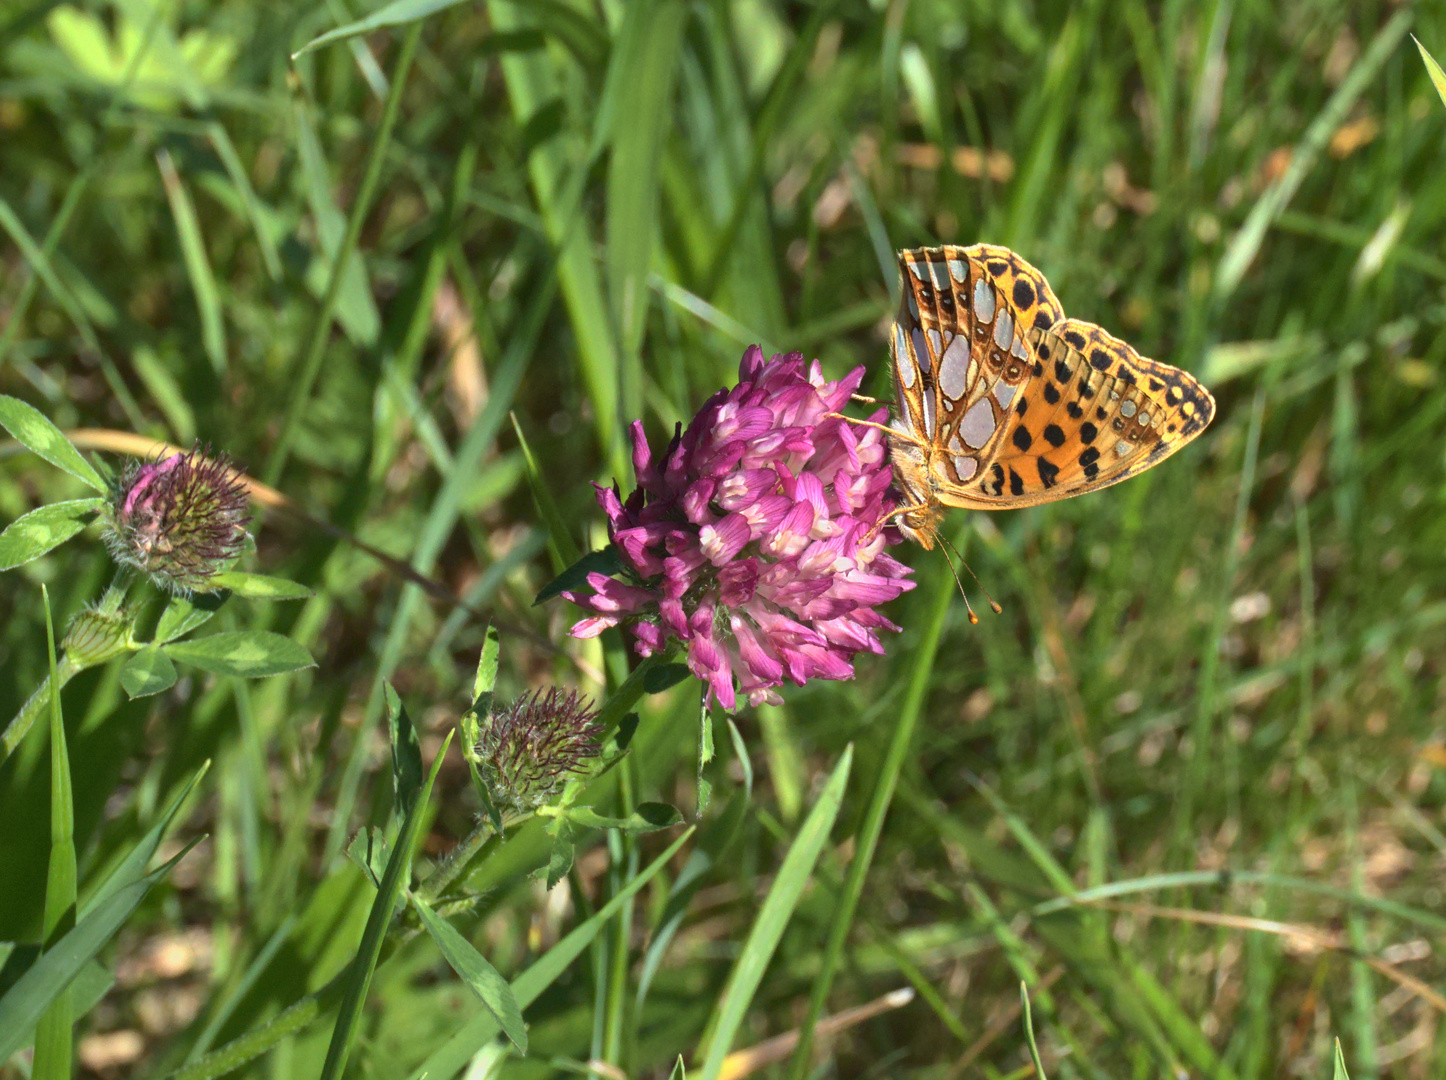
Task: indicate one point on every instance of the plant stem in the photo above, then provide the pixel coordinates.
(868, 836)
(69, 667)
(458, 861)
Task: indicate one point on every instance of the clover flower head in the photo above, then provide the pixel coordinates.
(528, 749)
(757, 540)
(180, 520)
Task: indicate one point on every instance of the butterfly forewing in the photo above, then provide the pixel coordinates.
(1003, 402)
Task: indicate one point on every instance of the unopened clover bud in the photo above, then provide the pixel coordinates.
(180, 520)
(527, 750)
(97, 635)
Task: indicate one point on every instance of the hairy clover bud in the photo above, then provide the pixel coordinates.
(180, 520)
(528, 749)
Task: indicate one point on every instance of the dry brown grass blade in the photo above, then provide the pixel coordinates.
(1309, 935)
(126, 442)
(746, 1062)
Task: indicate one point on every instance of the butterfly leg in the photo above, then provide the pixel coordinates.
(870, 400)
(893, 433)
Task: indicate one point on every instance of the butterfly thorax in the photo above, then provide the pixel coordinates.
(919, 508)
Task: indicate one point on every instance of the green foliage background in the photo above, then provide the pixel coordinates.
(1233, 663)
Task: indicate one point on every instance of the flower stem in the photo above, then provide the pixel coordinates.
(627, 695)
(69, 667)
(478, 842)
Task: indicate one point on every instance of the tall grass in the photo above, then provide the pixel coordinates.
(1187, 788)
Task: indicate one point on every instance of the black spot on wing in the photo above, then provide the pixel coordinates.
(1023, 293)
(1051, 393)
(1054, 435)
(1016, 483)
(1048, 474)
(1099, 360)
(1022, 438)
(1087, 432)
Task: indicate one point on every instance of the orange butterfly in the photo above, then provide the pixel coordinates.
(1003, 402)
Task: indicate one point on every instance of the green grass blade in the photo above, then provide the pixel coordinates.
(1029, 1030)
(453, 1055)
(359, 977)
(310, 365)
(406, 753)
(559, 539)
(646, 54)
(532, 81)
(868, 835)
(793, 875)
(54, 1049)
(1438, 80)
(1338, 1060)
(198, 266)
(133, 867)
(397, 13)
(25, 1001)
(1246, 243)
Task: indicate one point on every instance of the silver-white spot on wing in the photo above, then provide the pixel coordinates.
(965, 466)
(983, 301)
(917, 269)
(928, 415)
(1018, 349)
(957, 271)
(978, 424)
(935, 341)
(1004, 329)
(1005, 393)
(954, 368)
(903, 362)
(1127, 408)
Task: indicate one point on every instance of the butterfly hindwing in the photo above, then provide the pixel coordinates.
(1095, 414)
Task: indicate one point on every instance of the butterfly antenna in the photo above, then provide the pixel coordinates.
(993, 603)
(944, 550)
